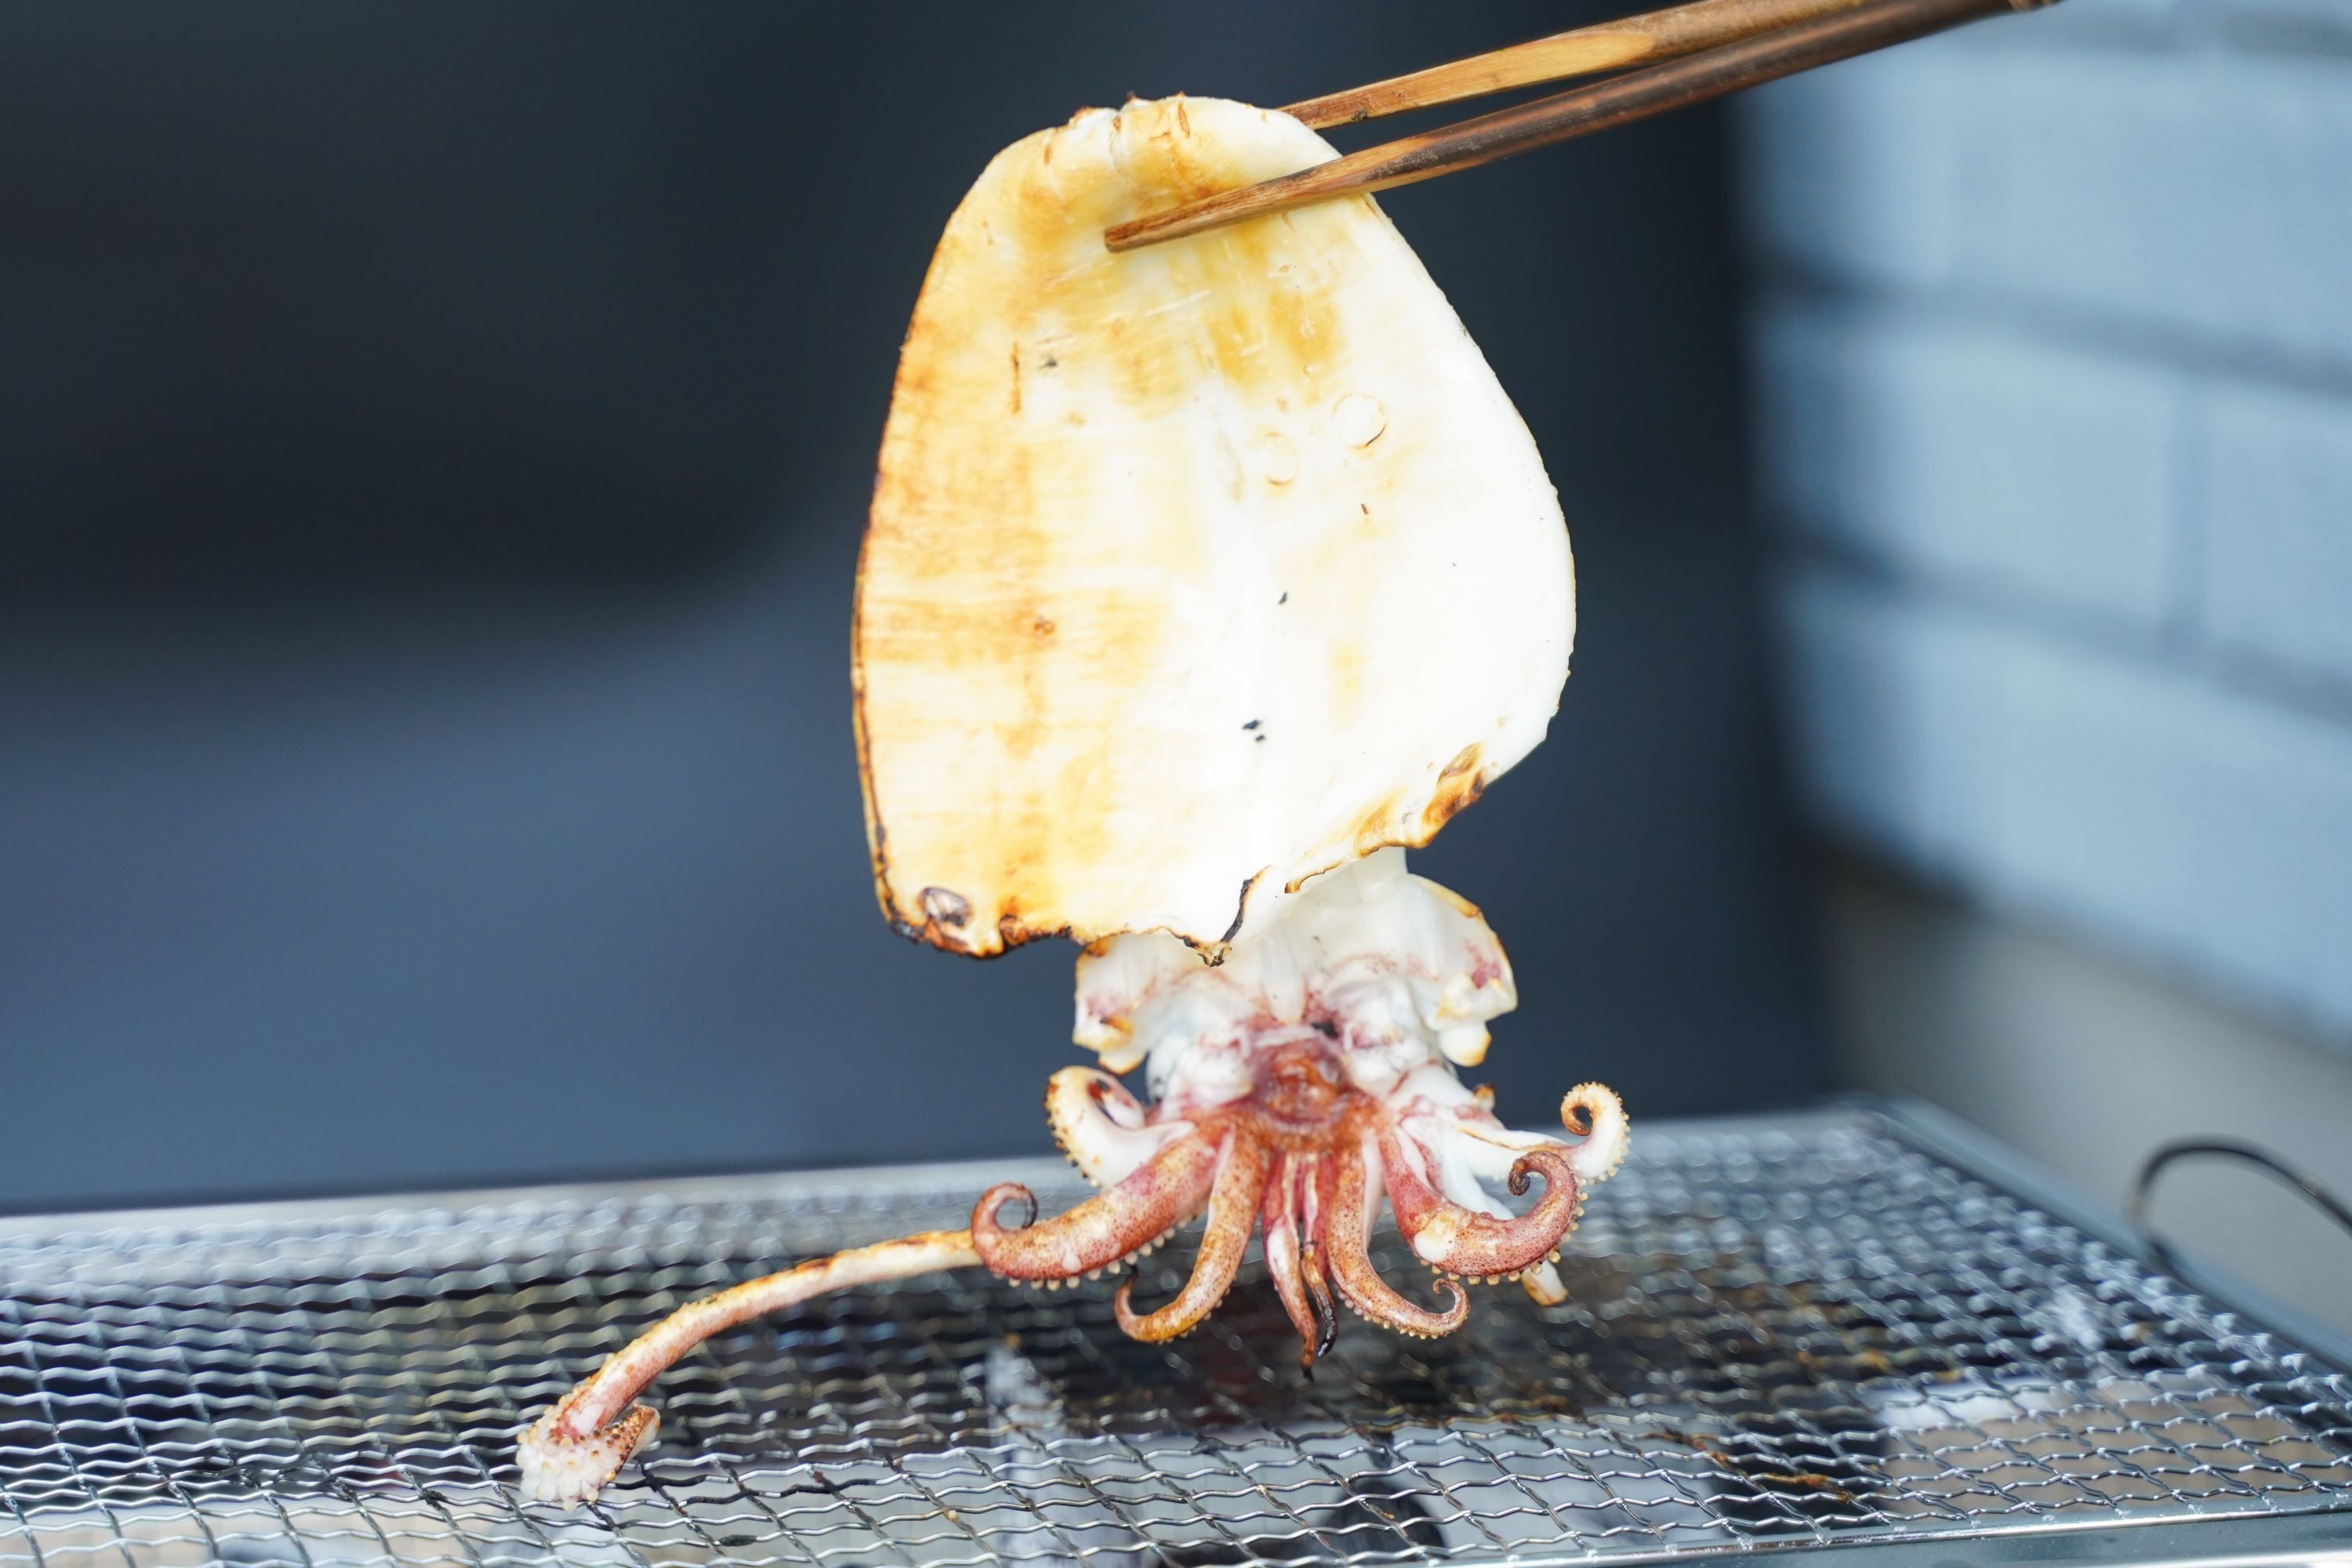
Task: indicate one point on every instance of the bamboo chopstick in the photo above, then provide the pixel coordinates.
(1617, 100)
(1607, 45)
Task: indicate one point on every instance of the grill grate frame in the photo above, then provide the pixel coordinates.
(1819, 1333)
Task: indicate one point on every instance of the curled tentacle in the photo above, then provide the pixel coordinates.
(1354, 1196)
(990, 1210)
(1101, 1126)
(569, 1454)
(1595, 1111)
(1102, 1231)
(1446, 1235)
(1233, 1214)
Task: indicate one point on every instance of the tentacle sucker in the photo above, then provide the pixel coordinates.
(1233, 1214)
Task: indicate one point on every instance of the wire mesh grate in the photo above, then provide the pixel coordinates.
(1812, 1335)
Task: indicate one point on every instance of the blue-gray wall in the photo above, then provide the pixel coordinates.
(2053, 370)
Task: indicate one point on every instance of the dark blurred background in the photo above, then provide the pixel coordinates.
(434, 442)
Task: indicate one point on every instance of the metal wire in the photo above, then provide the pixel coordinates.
(2294, 1180)
(1794, 1338)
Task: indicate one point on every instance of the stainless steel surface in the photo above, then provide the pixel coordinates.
(1782, 1336)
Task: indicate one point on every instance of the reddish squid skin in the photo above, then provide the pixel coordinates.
(1107, 1227)
(1459, 1240)
(1312, 1184)
(1353, 1199)
(1293, 1255)
(1233, 1214)
(1304, 1155)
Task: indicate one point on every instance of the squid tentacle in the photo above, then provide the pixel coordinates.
(1354, 1196)
(1101, 1127)
(1595, 1111)
(1461, 1240)
(1101, 1232)
(1285, 1254)
(569, 1454)
(1310, 1257)
(1233, 1201)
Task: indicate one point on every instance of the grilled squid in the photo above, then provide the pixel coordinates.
(1199, 582)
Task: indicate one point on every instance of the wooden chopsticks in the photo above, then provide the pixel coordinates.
(1708, 49)
(1609, 46)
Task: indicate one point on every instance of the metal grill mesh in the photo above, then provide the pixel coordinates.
(1775, 1338)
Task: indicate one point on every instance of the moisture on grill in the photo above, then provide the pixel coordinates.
(1774, 1339)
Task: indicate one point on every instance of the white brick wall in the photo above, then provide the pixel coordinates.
(2053, 373)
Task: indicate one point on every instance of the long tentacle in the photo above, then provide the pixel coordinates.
(1109, 1226)
(1354, 1195)
(1233, 1214)
(575, 1449)
(1446, 1235)
(1278, 1220)
(1595, 1110)
(1102, 1127)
